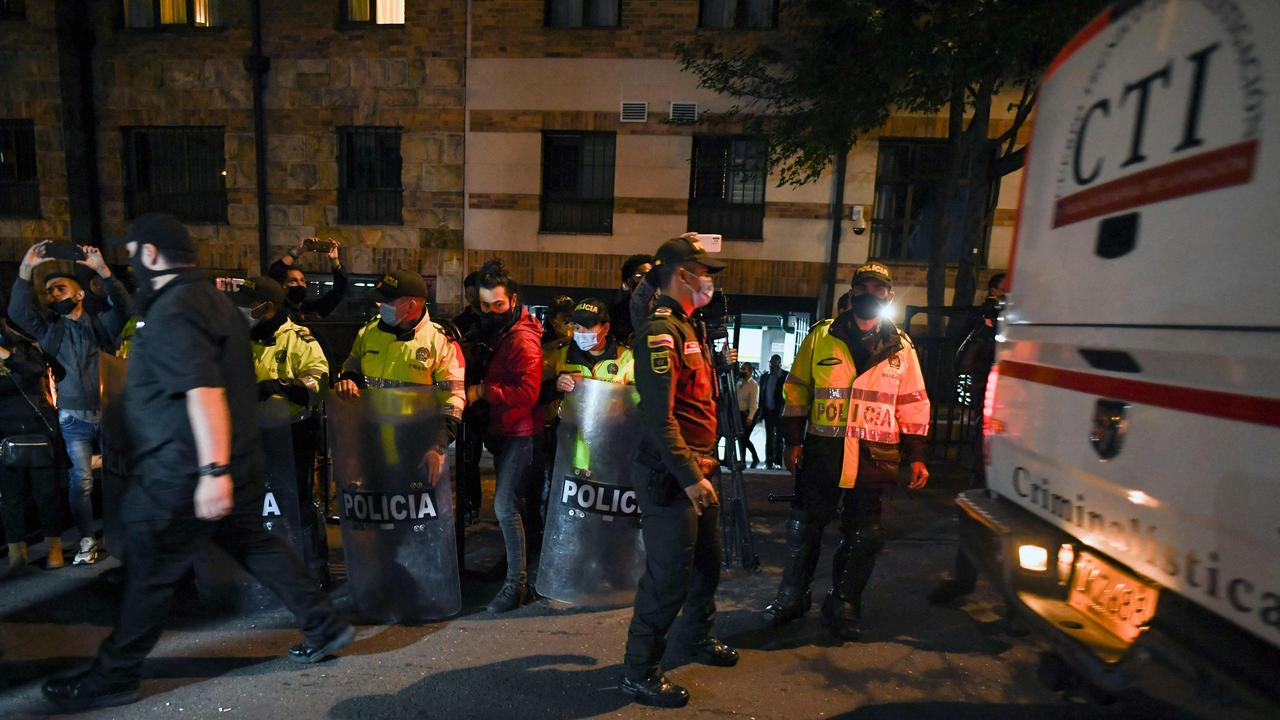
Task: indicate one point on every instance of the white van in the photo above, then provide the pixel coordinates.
(1133, 416)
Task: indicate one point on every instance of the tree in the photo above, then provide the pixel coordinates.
(829, 75)
(837, 69)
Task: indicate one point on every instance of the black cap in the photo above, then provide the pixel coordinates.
(398, 284)
(560, 305)
(875, 270)
(163, 230)
(257, 290)
(590, 312)
(684, 249)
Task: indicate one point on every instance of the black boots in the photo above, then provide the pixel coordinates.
(511, 596)
(804, 540)
(850, 571)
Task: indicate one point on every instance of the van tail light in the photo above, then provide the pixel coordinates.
(990, 426)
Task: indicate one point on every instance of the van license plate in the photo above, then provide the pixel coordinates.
(1120, 602)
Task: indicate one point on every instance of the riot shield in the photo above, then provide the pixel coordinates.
(115, 448)
(220, 580)
(397, 531)
(592, 552)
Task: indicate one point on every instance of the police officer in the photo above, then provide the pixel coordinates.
(401, 348)
(854, 404)
(681, 529)
(288, 362)
(592, 353)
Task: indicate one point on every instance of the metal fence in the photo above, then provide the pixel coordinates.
(955, 428)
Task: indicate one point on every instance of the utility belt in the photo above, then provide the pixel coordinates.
(663, 487)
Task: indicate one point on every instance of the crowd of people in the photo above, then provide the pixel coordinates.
(200, 361)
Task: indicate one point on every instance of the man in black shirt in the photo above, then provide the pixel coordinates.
(196, 468)
(633, 271)
(286, 272)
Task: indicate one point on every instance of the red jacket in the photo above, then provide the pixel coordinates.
(513, 378)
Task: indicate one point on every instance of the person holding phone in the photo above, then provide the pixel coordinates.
(285, 270)
(73, 336)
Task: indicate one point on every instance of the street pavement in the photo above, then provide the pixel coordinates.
(548, 662)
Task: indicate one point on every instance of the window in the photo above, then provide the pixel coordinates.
(726, 186)
(19, 186)
(582, 13)
(577, 182)
(373, 12)
(738, 14)
(13, 9)
(172, 13)
(909, 177)
(369, 187)
(179, 170)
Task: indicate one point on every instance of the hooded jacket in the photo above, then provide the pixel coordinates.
(513, 378)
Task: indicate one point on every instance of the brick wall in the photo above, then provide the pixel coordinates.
(30, 91)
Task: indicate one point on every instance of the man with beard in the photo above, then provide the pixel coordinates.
(74, 336)
(286, 272)
(195, 468)
(289, 363)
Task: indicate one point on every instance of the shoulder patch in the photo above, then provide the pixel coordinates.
(660, 362)
(662, 340)
(662, 312)
(692, 348)
(422, 354)
(306, 335)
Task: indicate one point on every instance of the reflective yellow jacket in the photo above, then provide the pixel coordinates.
(876, 406)
(422, 356)
(292, 354)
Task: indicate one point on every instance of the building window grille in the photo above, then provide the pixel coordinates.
(160, 14)
(738, 14)
(577, 182)
(19, 184)
(370, 191)
(178, 170)
(373, 12)
(583, 13)
(908, 197)
(726, 187)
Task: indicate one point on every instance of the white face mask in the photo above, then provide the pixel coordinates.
(588, 341)
(248, 313)
(702, 294)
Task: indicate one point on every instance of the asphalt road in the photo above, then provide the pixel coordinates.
(542, 661)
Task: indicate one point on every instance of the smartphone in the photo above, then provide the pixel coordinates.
(63, 251)
(710, 243)
(317, 245)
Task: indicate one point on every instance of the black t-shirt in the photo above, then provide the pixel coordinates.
(192, 337)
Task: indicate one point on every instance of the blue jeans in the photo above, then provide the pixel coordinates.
(80, 435)
(511, 458)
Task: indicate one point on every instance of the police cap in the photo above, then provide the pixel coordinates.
(257, 290)
(400, 283)
(589, 313)
(876, 270)
(679, 250)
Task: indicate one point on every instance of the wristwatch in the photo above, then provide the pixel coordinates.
(214, 470)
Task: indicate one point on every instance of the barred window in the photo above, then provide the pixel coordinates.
(577, 182)
(582, 13)
(172, 13)
(909, 178)
(726, 186)
(13, 9)
(373, 12)
(738, 14)
(178, 170)
(370, 191)
(19, 184)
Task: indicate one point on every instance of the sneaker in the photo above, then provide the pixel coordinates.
(511, 596)
(87, 689)
(91, 552)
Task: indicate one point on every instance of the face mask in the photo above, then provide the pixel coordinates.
(64, 306)
(867, 306)
(247, 312)
(387, 313)
(586, 340)
(702, 294)
(295, 295)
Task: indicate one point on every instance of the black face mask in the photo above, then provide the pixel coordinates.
(296, 294)
(63, 306)
(867, 306)
(142, 277)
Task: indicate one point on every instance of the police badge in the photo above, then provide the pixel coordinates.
(422, 355)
